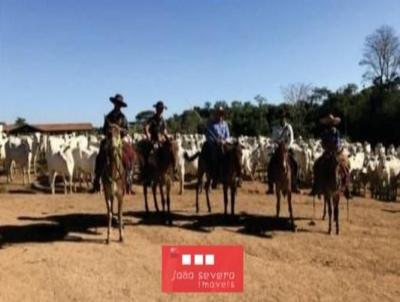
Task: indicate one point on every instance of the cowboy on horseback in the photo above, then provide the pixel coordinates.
(114, 117)
(155, 131)
(217, 134)
(331, 143)
(155, 128)
(285, 137)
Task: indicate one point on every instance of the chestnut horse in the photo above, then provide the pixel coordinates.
(159, 172)
(113, 178)
(283, 180)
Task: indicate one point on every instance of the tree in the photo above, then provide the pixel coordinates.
(20, 121)
(191, 121)
(143, 116)
(381, 56)
(294, 93)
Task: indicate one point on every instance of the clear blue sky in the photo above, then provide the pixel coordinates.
(61, 60)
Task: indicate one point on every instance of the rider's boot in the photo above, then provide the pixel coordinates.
(270, 187)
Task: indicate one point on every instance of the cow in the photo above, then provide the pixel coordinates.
(60, 161)
(18, 151)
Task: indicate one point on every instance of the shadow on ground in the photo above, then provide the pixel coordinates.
(79, 227)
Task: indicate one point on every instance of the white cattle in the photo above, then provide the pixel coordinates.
(18, 151)
(302, 155)
(60, 161)
(84, 162)
(3, 141)
(388, 170)
(184, 167)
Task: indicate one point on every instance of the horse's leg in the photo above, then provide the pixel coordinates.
(329, 204)
(181, 181)
(23, 175)
(289, 198)
(225, 189)
(233, 195)
(107, 198)
(154, 190)
(197, 194)
(278, 201)
(29, 174)
(324, 214)
(145, 198)
(120, 197)
(53, 182)
(162, 200)
(71, 183)
(336, 211)
(207, 189)
(169, 202)
(109, 216)
(8, 169)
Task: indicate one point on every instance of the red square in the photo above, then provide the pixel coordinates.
(202, 268)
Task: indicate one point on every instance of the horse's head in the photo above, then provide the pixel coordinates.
(169, 152)
(234, 153)
(282, 155)
(332, 168)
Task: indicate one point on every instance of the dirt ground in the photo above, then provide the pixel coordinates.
(52, 248)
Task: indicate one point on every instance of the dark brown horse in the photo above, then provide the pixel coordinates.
(283, 180)
(159, 172)
(230, 170)
(330, 186)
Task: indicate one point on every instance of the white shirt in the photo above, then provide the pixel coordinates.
(286, 135)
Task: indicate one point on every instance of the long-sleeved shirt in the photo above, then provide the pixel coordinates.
(157, 126)
(217, 131)
(115, 117)
(286, 135)
(331, 139)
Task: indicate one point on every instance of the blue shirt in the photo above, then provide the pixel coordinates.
(331, 139)
(217, 131)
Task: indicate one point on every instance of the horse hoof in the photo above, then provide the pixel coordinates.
(121, 240)
(107, 241)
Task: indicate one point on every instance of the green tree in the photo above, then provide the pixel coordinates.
(20, 121)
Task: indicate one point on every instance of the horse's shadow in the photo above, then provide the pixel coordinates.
(243, 223)
(81, 227)
(66, 227)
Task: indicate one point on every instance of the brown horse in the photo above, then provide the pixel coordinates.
(230, 168)
(129, 160)
(159, 172)
(283, 180)
(113, 179)
(329, 185)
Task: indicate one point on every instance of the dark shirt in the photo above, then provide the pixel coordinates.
(115, 117)
(156, 126)
(331, 139)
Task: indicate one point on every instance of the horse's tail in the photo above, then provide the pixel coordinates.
(191, 158)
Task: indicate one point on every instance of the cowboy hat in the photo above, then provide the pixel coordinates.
(118, 100)
(160, 104)
(330, 120)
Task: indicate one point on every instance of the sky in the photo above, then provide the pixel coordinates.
(60, 61)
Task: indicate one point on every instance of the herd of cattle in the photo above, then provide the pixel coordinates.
(73, 157)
